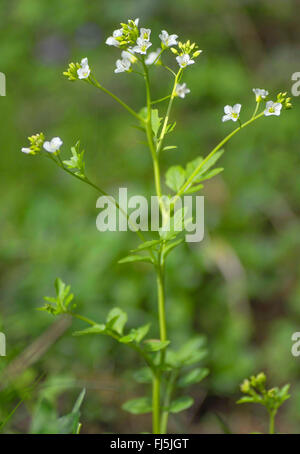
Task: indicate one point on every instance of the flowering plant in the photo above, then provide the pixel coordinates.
(169, 371)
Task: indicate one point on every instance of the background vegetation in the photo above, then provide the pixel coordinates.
(240, 287)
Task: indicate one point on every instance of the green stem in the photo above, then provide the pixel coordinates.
(149, 134)
(167, 116)
(198, 168)
(94, 82)
(156, 383)
(83, 319)
(161, 99)
(158, 57)
(133, 346)
(90, 183)
(272, 422)
(256, 109)
(161, 301)
(156, 403)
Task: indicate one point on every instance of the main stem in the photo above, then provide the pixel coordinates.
(156, 383)
(272, 423)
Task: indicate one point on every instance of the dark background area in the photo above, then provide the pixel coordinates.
(240, 286)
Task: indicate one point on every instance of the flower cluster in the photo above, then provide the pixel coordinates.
(282, 99)
(71, 72)
(134, 43)
(256, 392)
(126, 36)
(37, 142)
(137, 41)
(187, 51)
(271, 108)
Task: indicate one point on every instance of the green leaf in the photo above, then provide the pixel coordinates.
(95, 329)
(116, 320)
(143, 375)
(143, 113)
(147, 245)
(192, 377)
(138, 406)
(141, 332)
(128, 338)
(190, 353)
(180, 404)
(169, 147)
(170, 127)
(136, 258)
(210, 174)
(175, 177)
(155, 345)
(211, 161)
(194, 189)
(79, 401)
(155, 121)
(76, 161)
(68, 424)
(191, 166)
(59, 304)
(135, 335)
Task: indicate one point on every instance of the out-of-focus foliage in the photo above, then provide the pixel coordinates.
(239, 287)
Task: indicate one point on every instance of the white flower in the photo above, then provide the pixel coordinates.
(145, 33)
(142, 46)
(273, 108)
(84, 71)
(182, 90)
(126, 55)
(152, 57)
(26, 150)
(112, 41)
(122, 65)
(184, 60)
(54, 145)
(168, 40)
(232, 113)
(260, 94)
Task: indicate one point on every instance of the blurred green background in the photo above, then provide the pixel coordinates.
(240, 286)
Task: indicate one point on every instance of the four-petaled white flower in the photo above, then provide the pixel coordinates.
(182, 90)
(122, 65)
(273, 108)
(112, 41)
(260, 94)
(184, 60)
(232, 113)
(152, 57)
(145, 33)
(168, 40)
(84, 71)
(127, 55)
(141, 46)
(54, 145)
(26, 150)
